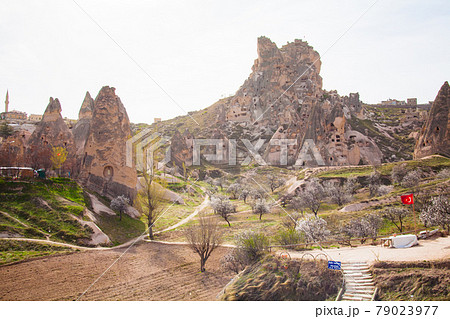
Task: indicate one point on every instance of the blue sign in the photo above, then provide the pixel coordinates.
(336, 265)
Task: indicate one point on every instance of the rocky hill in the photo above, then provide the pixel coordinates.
(283, 98)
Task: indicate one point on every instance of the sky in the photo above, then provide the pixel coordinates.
(166, 58)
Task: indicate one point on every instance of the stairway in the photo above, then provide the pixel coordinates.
(358, 282)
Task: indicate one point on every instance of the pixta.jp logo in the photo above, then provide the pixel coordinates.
(144, 145)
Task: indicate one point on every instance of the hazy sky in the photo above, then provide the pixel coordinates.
(200, 51)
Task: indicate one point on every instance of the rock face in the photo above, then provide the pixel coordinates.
(81, 129)
(50, 132)
(283, 99)
(181, 148)
(435, 135)
(103, 164)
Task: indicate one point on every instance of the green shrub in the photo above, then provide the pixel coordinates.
(252, 245)
(288, 237)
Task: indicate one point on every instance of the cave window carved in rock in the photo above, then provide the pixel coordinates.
(108, 172)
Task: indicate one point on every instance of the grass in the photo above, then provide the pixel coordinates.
(411, 281)
(13, 251)
(120, 231)
(276, 279)
(36, 204)
(47, 208)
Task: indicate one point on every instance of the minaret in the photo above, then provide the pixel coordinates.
(7, 101)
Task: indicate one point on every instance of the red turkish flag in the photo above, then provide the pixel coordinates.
(407, 199)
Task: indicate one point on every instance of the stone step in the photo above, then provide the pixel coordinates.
(346, 298)
(353, 279)
(356, 269)
(365, 285)
(358, 279)
(360, 295)
(364, 291)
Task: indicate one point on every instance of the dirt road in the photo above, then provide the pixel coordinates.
(426, 250)
(148, 271)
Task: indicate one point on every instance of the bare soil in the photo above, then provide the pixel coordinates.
(148, 271)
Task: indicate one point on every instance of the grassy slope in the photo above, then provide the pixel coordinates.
(275, 279)
(271, 224)
(36, 204)
(44, 209)
(13, 251)
(413, 280)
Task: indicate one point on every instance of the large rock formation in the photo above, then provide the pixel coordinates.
(283, 100)
(435, 135)
(81, 129)
(103, 165)
(51, 132)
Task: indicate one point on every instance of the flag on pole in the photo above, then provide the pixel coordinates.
(407, 199)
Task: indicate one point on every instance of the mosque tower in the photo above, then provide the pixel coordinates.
(7, 101)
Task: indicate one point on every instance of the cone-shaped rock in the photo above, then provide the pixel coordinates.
(50, 132)
(103, 165)
(81, 129)
(435, 134)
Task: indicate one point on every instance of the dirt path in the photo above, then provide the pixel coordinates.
(199, 208)
(426, 250)
(148, 271)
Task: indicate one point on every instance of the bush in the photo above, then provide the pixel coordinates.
(288, 237)
(252, 245)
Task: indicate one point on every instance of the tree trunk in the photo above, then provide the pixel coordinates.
(229, 225)
(150, 232)
(120, 215)
(260, 216)
(202, 264)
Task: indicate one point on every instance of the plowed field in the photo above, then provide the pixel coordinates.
(148, 271)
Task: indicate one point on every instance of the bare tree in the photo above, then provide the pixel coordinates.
(364, 227)
(314, 228)
(233, 261)
(337, 193)
(204, 238)
(209, 180)
(234, 190)
(398, 173)
(351, 185)
(260, 207)
(374, 182)
(290, 221)
(219, 182)
(313, 195)
(149, 201)
(223, 207)
(437, 212)
(257, 193)
(411, 179)
(397, 216)
(245, 193)
(275, 181)
(120, 204)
